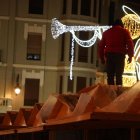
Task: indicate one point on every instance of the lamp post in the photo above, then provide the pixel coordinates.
(17, 87)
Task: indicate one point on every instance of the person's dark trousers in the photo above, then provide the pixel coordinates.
(115, 66)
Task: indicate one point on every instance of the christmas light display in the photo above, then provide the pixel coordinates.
(132, 23)
(72, 58)
(137, 58)
(58, 28)
(137, 51)
(125, 8)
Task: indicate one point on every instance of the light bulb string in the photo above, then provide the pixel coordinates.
(72, 58)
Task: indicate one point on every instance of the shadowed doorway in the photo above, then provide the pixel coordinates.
(31, 95)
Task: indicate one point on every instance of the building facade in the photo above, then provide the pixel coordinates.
(31, 58)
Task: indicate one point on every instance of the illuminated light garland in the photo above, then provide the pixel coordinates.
(58, 28)
(87, 43)
(137, 58)
(137, 50)
(124, 7)
(72, 58)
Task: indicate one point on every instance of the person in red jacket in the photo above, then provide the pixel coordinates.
(116, 42)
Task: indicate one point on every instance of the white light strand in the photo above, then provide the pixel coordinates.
(137, 50)
(137, 58)
(72, 58)
(87, 43)
(58, 28)
(138, 70)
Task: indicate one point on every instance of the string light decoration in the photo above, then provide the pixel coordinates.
(131, 22)
(72, 58)
(138, 70)
(137, 51)
(58, 28)
(137, 57)
(131, 25)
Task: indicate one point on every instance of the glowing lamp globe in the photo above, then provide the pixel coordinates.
(17, 90)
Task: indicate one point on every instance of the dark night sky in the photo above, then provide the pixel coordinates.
(135, 1)
(134, 4)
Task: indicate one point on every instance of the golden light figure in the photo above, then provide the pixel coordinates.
(132, 23)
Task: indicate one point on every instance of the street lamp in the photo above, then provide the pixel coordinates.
(17, 87)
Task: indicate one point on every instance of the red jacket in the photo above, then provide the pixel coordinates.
(117, 40)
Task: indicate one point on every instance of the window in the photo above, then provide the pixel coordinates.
(61, 84)
(34, 43)
(85, 7)
(99, 11)
(83, 52)
(31, 91)
(36, 6)
(70, 49)
(62, 47)
(94, 8)
(64, 6)
(97, 63)
(91, 59)
(75, 7)
(111, 12)
(0, 55)
(70, 85)
(81, 83)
